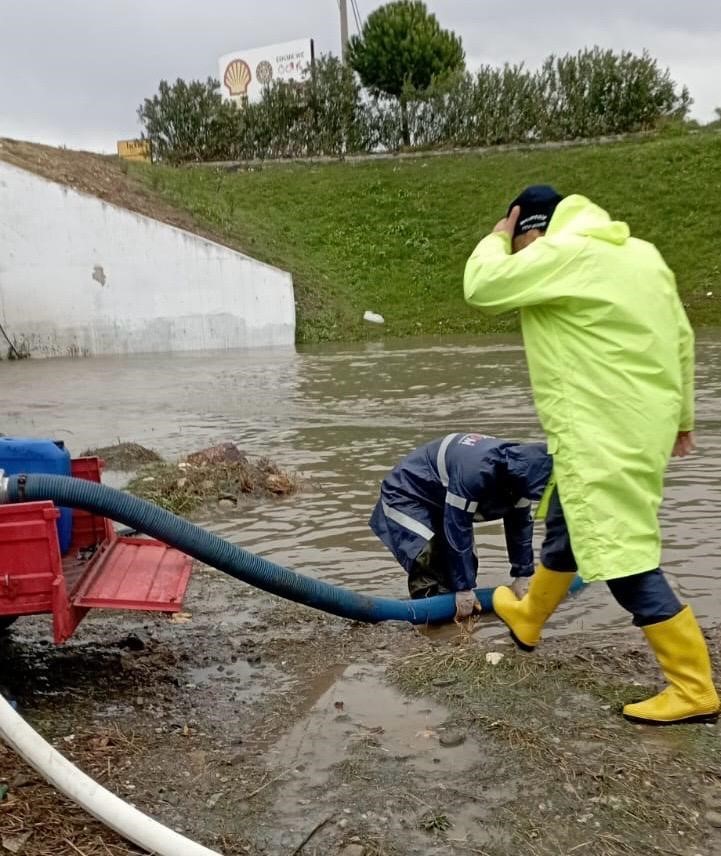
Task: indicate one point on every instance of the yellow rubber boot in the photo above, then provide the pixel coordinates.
(525, 618)
(683, 656)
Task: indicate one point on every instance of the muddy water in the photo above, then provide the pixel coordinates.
(358, 711)
(343, 416)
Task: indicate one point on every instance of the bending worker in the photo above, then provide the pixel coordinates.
(610, 354)
(430, 499)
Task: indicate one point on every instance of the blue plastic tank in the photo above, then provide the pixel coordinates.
(46, 457)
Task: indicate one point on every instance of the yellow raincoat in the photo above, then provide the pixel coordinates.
(610, 355)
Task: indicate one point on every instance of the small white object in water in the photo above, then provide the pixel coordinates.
(709, 294)
(373, 317)
(494, 657)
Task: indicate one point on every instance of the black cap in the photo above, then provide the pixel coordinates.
(537, 204)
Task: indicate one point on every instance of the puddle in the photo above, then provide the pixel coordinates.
(452, 632)
(359, 708)
(239, 681)
(202, 677)
(368, 761)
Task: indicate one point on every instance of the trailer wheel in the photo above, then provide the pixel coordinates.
(6, 621)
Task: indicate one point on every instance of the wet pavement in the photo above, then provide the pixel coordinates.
(343, 416)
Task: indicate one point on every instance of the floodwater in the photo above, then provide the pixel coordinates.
(343, 415)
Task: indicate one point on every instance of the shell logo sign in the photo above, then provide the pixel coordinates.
(244, 74)
(237, 78)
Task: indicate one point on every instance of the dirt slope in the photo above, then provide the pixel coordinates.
(104, 176)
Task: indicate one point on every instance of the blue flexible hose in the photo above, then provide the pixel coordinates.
(146, 517)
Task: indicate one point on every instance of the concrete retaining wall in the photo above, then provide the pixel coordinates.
(79, 276)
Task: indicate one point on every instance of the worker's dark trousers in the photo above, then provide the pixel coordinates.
(429, 574)
(647, 596)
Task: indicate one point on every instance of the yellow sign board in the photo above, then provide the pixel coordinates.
(134, 150)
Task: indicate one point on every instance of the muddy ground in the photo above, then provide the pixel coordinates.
(259, 727)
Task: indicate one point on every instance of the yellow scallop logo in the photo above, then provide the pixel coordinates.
(237, 78)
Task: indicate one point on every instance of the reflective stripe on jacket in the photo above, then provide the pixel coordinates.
(440, 488)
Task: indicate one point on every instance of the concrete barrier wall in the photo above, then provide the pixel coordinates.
(79, 276)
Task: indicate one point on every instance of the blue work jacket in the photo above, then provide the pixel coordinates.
(439, 489)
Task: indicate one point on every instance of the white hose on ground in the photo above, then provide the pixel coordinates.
(88, 794)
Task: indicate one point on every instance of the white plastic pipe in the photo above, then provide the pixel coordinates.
(88, 794)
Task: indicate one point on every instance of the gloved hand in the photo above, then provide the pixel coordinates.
(519, 586)
(466, 604)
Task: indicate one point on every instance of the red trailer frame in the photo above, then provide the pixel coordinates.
(101, 570)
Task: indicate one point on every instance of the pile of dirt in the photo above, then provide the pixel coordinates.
(222, 474)
(124, 457)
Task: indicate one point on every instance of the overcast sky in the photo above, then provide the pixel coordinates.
(73, 72)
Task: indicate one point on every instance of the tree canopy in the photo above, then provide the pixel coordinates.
(402, 45)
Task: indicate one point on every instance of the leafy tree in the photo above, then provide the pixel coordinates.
(401, 51)
(185, 121)
(335, 101)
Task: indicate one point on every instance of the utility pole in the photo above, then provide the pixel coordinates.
(343, 6)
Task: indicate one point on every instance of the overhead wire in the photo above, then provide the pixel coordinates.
(357, 15)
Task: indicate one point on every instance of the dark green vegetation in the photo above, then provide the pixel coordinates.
(393, 235)
(416, 96)
(402, 45)
(401, 51)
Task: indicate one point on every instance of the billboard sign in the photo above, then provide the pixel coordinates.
(243, 74)
(134, 150)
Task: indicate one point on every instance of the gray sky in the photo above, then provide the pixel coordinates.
(73, 72)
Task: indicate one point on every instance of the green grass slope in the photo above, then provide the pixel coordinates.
(393, 235)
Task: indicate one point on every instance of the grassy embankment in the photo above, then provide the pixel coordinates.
(393, 235)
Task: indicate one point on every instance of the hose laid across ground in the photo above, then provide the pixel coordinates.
(94, 798)
(211, 550)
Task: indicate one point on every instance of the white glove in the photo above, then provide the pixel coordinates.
(466, 604)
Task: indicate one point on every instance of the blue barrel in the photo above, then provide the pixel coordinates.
(44, 457)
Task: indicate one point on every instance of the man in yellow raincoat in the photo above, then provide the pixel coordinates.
(610, 355)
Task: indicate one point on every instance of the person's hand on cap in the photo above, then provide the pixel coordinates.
(508, 224)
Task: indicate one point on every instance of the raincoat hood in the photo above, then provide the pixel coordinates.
(529, 468)
(579, 216)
